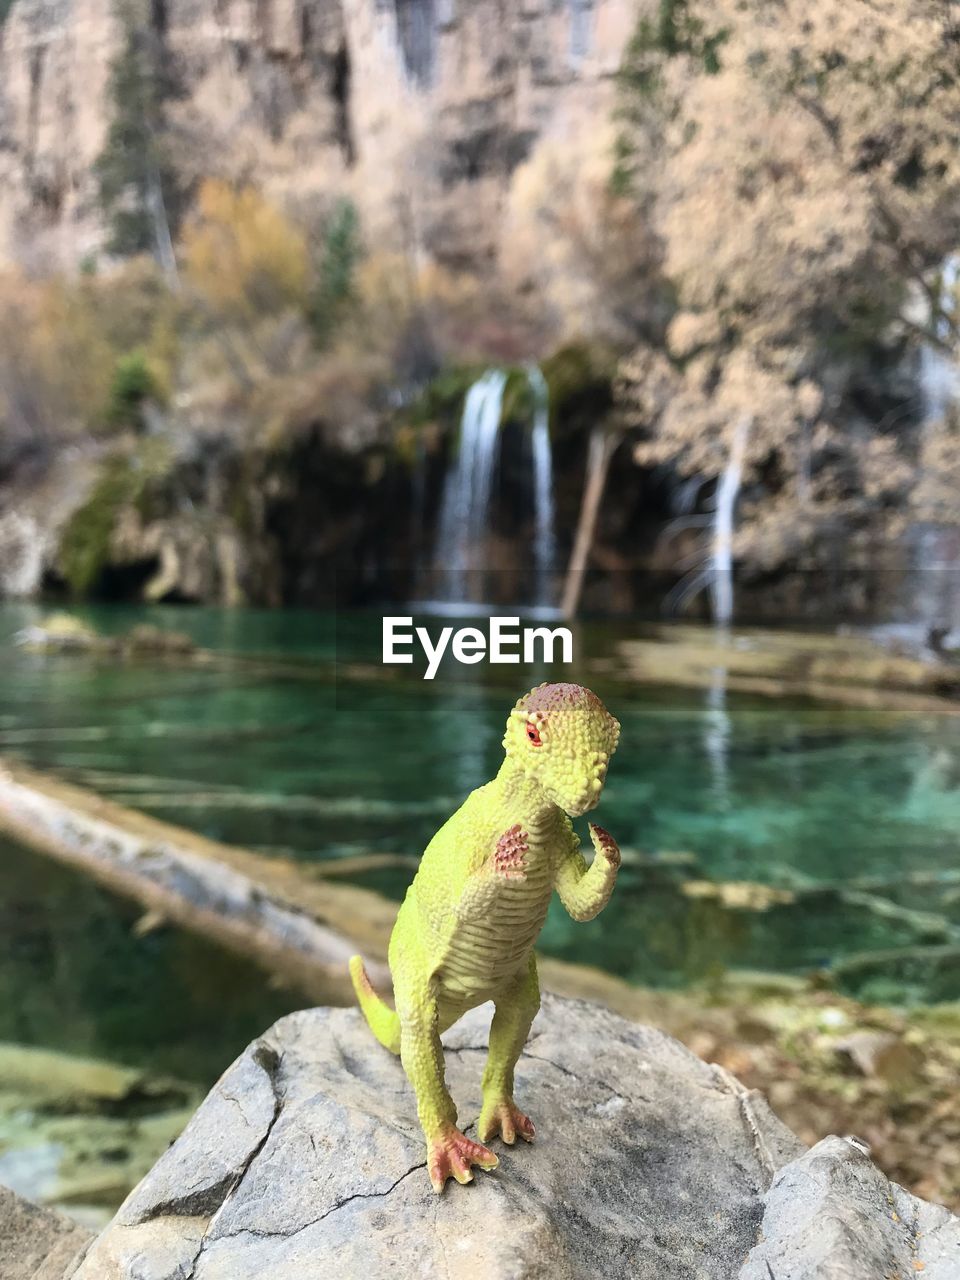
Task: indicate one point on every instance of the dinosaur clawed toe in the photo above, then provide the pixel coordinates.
(451, 1155)
(505, 1118)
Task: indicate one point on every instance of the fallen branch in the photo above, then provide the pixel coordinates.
(303, 929)
(278, 913)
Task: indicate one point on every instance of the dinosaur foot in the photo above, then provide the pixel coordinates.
(506, 1118)
(451, 1154)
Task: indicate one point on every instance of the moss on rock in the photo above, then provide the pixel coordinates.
(578, 371)
(85, 543)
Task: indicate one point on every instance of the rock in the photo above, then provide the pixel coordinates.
(443, 102)
(147, 639)
(647, 1162)
(62, 633)
(834, 1216)
(882, 1054)
(306, 1161)
(35, 1243)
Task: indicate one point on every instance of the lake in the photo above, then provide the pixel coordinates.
(759, 833)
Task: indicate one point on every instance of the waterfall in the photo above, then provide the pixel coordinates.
(416, 36)
(934, 557)
(939, 383)
(465, 505)
(933, 598)
(23, 549)
(721, 553)
(466, 501)
(418, 503)
(545, 536)
(581, 29)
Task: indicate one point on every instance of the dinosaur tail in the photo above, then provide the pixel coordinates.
(384, 1022)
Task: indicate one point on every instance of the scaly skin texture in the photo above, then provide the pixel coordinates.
(466, 929)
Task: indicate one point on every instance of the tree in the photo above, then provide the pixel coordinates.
(806, 182)
(242, 256)
(136, 178)
(335, 286)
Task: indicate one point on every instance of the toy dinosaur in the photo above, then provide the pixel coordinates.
(466, 930)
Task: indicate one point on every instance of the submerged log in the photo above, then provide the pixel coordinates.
(292, 922)
(840, 669)
(300, 928)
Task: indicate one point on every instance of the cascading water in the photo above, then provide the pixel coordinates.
(713, 562)
(418, 503)
(721, 553)
(465, 505)
(937, 600)
(939, 383)
(545, 535)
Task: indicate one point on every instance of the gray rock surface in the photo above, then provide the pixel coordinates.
(832, 1215)
(35, 1243)
(306, 1162)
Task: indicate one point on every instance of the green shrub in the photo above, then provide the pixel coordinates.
(133, 384)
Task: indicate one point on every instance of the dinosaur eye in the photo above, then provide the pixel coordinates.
(533, 733)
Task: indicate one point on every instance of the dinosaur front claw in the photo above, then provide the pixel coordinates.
(451, 1154)
(604, 844)
(506, 1118)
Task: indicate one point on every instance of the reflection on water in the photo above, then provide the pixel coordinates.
(716, 737)
(75, 977)
(326, 762)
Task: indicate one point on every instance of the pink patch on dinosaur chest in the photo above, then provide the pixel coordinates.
(508, 859)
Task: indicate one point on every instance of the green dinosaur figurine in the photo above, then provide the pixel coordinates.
(466, 930)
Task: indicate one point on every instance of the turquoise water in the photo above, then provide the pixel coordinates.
(277, 746)
(75, 977)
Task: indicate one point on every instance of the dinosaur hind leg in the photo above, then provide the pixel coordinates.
(516, 1008)
(450, 1153)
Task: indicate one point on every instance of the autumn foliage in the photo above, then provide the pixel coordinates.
(805, 193)
(242, 256)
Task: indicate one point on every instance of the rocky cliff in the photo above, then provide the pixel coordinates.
(419, 110)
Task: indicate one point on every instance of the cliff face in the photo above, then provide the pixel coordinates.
(420, 110)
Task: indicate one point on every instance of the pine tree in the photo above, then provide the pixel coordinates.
(137, 182)
(340, 251)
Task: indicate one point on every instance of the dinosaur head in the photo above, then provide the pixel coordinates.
(563, 736)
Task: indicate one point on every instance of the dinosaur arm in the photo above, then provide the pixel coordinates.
(585, 891)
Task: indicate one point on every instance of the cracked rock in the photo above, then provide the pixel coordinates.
(306, 1162)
